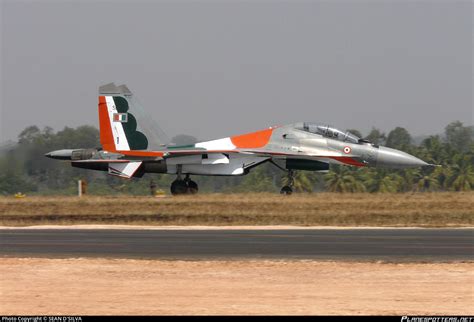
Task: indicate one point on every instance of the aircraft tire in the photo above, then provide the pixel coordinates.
(192, 187)
(286, 190)
(178, 187)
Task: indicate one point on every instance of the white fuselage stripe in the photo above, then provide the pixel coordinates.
(220, 144)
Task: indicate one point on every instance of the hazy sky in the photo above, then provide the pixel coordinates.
(211, 69)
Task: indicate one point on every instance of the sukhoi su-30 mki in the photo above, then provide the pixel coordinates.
(131, 147)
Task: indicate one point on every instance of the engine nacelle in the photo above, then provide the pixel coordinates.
(83, 154)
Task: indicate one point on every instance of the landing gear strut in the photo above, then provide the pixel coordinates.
(288, 189)
(183, 186)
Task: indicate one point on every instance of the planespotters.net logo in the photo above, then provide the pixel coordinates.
(437, 319)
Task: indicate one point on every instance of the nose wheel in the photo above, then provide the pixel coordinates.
(286, 190)
(184, 186)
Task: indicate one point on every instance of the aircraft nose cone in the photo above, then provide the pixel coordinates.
(391, 158)
(48, 155)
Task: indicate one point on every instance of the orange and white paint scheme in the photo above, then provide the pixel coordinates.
(131, 147)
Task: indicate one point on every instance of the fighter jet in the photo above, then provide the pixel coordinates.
(131, 148)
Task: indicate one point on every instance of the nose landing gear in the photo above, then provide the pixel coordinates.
(290, 181)
(288, 188)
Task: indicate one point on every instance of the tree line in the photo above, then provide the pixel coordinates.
(25, 169)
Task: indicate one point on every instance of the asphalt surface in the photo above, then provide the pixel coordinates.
(326, 244)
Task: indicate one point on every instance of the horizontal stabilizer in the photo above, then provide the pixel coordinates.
(124, 170)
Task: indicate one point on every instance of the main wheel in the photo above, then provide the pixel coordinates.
(192, 187)
(178, 187)
(286, 190)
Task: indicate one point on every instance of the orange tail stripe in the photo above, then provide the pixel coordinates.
(106, 136)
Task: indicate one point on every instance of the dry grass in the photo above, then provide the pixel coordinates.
(324, 209)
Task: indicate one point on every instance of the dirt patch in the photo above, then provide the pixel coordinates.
(108, 286)
(447, 209)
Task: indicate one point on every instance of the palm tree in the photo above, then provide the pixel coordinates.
(256, 181)
(442, 174)
(302, 181)
(462, 178)
(435, 151)
(423, 179)
(382, 181)
(427, 183)
(341, 179)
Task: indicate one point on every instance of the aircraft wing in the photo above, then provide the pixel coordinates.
(307, 155)
(310, 155)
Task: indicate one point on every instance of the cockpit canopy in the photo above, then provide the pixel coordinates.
(330, 132)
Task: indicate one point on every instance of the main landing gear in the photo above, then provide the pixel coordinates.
(184, 186)
(288, 189)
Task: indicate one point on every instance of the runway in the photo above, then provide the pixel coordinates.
(323, 244)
